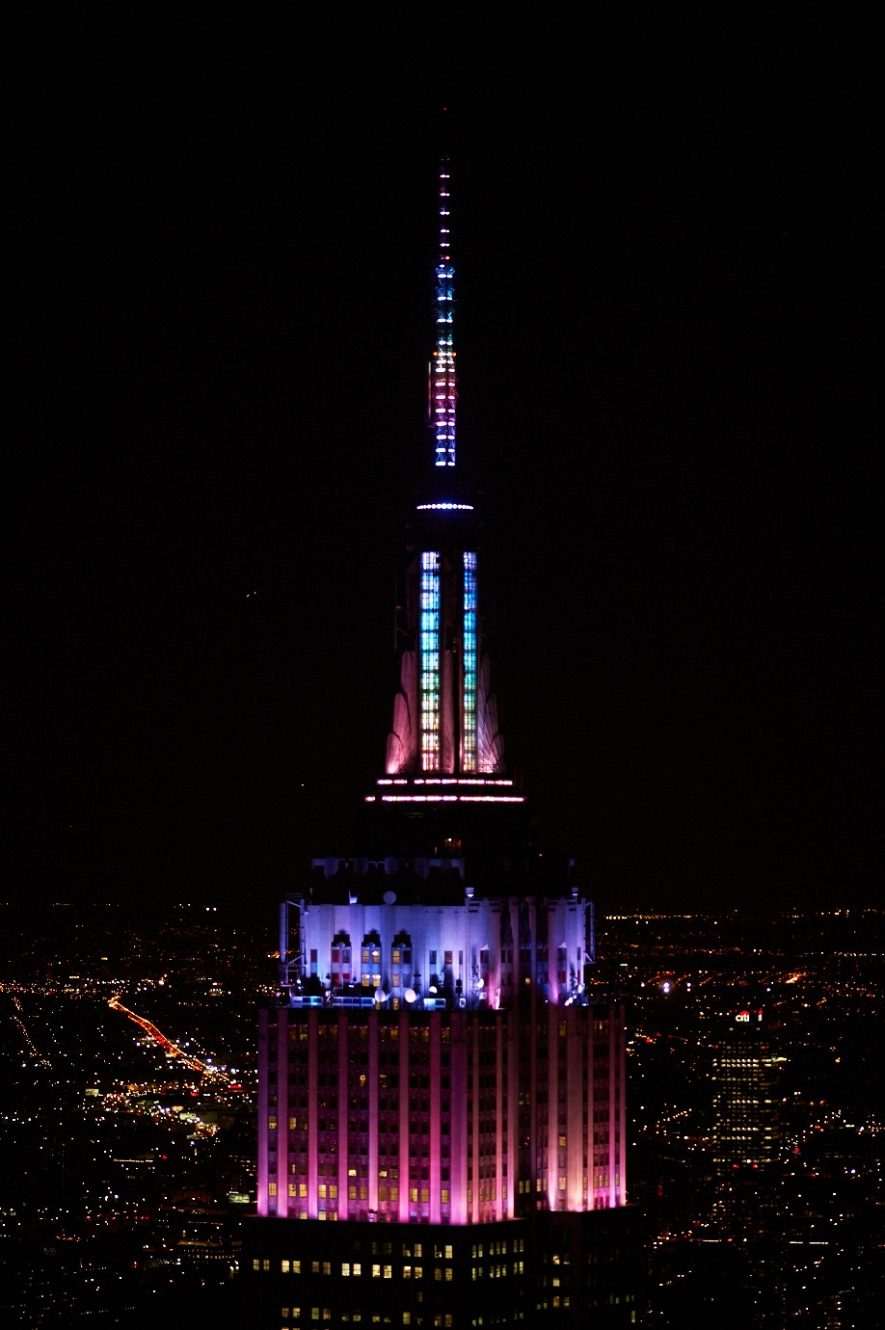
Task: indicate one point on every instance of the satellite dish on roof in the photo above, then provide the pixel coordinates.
(390, 898)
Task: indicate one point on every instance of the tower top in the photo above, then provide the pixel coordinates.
(442, 376)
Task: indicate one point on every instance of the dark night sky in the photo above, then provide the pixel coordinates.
(219, 283)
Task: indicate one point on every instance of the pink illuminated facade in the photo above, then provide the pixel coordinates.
(462, 1117)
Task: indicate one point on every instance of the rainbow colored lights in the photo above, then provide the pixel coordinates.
(468, 677)
(429, 661)
(443, 376)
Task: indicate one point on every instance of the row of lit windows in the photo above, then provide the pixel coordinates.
(360, 1192)
(354, 1269)
(441, 1318)
(497, 1271)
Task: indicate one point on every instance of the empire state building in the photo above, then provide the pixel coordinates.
(441, 1116)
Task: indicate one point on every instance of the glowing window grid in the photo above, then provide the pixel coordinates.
(468, 760)
(429, 661)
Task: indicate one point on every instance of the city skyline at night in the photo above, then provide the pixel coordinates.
(220, 303)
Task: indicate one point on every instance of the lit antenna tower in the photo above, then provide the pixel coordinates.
(441, 1112)
(445, 719)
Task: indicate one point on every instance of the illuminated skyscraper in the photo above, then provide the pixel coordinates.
(441, 1117)
(743, 1079)
(748, 1213)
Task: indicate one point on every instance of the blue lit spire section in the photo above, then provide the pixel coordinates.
(468, 680)
(429, 679)
(442, 386)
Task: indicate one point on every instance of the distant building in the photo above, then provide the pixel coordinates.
(745, 1137)
(747, 1209)
(441, 1117)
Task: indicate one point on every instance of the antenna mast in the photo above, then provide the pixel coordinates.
(443, 375)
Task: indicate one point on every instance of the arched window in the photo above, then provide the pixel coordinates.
(341, 964)
(370, 961)
(401, 963)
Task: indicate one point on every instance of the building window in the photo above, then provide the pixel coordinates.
(341, 960)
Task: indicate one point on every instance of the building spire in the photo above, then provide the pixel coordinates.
(442, 379)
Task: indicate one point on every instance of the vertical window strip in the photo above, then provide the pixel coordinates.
(468, 722)
(430, 661)
(444, 391)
